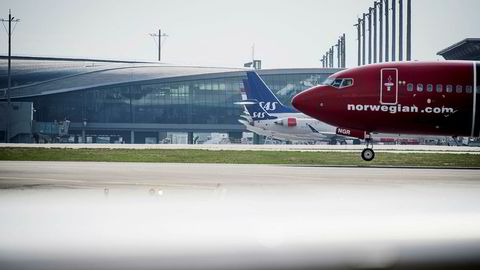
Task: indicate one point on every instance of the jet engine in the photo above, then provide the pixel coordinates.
(289, 122)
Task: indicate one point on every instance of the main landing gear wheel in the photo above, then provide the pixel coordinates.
(368, 154)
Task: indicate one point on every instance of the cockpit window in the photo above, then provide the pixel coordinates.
(347, 83)
(338, 83)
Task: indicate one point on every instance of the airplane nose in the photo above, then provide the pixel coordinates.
(304, 102)
(299, 100)
(295, 101)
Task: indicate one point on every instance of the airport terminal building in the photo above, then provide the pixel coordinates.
(137, 102)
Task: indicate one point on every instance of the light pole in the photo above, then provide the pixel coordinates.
(394, 28)
(9, 83)
(375, 32)
(363, 40)
(370, 35)
(359, 41)
(332, 50)
(380, 38)
(344, 52)
(409, 30)
(159, 35)
(400, 30)
(326, 59)
(339, 53)
(386, 31)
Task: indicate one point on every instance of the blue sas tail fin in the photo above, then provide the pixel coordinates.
(258, 113)
(257, 89)
(255, 111)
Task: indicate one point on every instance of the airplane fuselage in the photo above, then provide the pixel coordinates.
(289, 126)
(428, 98)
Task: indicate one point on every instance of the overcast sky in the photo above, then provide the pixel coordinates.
(221, 32)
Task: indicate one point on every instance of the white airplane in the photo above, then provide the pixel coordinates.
(249, 120)
(257, 120)
(267, 116)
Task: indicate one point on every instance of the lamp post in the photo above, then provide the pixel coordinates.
(344, 52)
(363, 40)
(409, 30)
(9, 79)
(359, 42)
(400, 30)
(159, 35)
(386, 31)
(375, 32)
(380, 38)
(339, 53)
(332, 51)
(370, 35)
(394, 29)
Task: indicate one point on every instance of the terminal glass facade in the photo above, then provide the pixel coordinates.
(201, 101)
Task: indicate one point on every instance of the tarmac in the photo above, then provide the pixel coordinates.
(37, 174)
(106, 215)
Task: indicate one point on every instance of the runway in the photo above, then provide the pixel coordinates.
(91, 215)
(45, 174)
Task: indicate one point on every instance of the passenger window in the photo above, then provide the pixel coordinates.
(429, 88)
(419, 87)
(347, 83)
(459, 89)
(468, 89)
(449, 88)
(410, 87)
(439, 88)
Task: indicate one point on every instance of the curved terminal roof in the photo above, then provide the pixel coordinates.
(33, 76)
(467, 49)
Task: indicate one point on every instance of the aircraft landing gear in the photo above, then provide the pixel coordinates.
(368, 154)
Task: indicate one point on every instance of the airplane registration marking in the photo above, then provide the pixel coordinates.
(344, 131)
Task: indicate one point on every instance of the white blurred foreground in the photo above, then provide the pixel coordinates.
(374, 219)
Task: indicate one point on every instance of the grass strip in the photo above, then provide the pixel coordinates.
(241, 157)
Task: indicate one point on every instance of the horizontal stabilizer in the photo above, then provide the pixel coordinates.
(246, 102)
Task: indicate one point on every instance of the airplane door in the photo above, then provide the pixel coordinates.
(389, 86)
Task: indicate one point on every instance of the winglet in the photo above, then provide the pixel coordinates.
(312, 128)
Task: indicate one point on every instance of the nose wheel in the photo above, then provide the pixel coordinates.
(368, 154)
